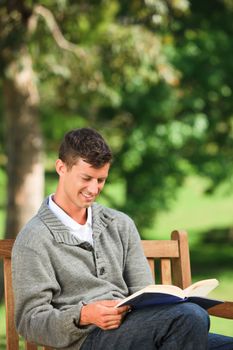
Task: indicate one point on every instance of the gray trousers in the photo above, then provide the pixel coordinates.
(181, 326)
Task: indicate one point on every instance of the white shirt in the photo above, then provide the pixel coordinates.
(83, 232)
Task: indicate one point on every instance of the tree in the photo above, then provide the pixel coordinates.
(114, 56)
(203, 55)
(126, 76)
(22, 128)
(32, 73)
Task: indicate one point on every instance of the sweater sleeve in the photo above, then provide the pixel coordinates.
(35, 288)
(137, 272)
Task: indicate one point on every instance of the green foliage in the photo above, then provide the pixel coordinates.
(203, 54)
(154, 77)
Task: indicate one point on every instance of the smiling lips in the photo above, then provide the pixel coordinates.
(87, 196)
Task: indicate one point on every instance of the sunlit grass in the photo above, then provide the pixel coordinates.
(194, 211)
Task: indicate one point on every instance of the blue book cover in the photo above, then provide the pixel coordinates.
(149, 299)
(169, 294)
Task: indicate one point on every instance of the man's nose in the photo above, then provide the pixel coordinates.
(93, 187)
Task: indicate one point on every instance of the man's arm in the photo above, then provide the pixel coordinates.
(35, 315)
(137, 273)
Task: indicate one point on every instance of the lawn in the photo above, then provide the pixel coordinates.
(209, 222)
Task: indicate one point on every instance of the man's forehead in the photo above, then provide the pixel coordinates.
(87, 168)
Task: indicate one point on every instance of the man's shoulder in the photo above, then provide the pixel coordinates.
(32, 234)
(110, 213)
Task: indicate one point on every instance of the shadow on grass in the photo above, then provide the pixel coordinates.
(2, 344)
(213, 253)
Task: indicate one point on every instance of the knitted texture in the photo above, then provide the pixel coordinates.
(54, 273)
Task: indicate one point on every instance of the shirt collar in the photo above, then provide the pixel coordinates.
(66, 219)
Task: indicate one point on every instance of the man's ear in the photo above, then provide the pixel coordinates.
(60, 167)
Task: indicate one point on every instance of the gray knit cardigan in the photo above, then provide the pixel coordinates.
(54, 273)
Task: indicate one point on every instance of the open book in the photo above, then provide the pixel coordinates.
(169, 294)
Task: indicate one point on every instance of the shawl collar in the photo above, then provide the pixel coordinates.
(101, 218)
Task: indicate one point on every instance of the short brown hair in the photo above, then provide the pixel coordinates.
(87, 144)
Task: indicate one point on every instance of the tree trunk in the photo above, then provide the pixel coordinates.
(25, 170)
(24, 144)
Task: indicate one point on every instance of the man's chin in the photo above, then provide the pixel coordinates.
(87, 204)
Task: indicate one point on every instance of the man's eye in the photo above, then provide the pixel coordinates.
(86, 178)
(100, 181)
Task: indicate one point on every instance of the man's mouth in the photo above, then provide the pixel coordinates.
(88, 196)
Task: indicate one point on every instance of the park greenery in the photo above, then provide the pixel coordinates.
(155, 77)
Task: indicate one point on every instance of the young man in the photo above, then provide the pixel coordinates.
(76, 259)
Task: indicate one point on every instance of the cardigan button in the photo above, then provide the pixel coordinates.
(102, 271)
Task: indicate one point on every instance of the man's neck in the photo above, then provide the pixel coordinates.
(77, 214)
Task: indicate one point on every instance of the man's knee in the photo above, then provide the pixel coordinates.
(196, 312)
(187, 328)
(196, 317)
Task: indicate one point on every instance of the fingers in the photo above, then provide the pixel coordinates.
(110, 318)
(111, 322)
(111, 326)
(124, 309)
(113, 303)
(103, 314)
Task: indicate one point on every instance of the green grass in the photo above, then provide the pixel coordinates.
(195, 211)
(209, 222)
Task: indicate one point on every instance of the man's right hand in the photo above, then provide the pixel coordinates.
(103, 314)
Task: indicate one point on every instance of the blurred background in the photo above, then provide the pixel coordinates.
(155, 77)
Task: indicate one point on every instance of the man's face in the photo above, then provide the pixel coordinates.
(80, 185)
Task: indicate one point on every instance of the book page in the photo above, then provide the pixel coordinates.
(156, 288)
(164, 288)
(201, 288)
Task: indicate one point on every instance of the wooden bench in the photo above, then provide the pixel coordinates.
(171, 256)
